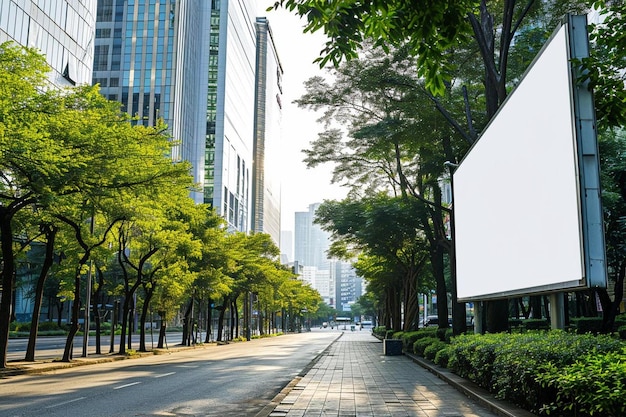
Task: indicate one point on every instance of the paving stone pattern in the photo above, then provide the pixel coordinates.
(354, 378)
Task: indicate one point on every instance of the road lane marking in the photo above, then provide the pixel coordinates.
(66, 402)
(127, 385)
(167, 374)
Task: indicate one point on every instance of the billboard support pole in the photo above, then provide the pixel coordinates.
(479, 317)
(557, 311)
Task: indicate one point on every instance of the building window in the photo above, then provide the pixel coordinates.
(105, 11)
(104, 82)
(103, 33)
(101, 58)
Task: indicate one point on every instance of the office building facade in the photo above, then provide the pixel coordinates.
(194, 64)
(152, 56)
(311, 243)
(267, 127)
(62, 30)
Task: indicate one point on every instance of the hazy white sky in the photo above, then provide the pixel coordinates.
(300, 186)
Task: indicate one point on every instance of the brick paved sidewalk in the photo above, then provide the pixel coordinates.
(353, 378)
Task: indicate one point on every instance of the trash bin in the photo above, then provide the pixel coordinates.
(392, 347)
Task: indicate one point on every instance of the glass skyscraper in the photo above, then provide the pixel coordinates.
(62, 30)
(267, 125)
(193, 63)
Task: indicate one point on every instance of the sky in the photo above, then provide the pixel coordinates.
(297, 51)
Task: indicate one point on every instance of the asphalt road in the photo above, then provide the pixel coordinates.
(238, 379)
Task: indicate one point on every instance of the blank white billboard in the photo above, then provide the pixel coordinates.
(519, 220)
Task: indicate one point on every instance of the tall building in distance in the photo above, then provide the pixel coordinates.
(62, 30)
(210, 71)
(335, 280)
(267, 127)
(348, 285)
(311, 243)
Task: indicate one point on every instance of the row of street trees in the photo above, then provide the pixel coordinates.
(102, 197)
(414, 84)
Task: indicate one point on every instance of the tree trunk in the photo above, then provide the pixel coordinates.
(97, 297)
(611, 308)
(220, 320)
(145, 309)
(162, 329)
(497, 316)
(209, 318)
(234, 317)
(69, 343)
(125, 320)
(50, 232)
(8, 269)
(187, 323)
(411, 304)
(131, 319)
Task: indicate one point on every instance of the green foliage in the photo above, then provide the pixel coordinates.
(594, 385)
(429, 30)
(420, 345)
(442, 357)
(591, 325)
(508, 364)
(380, 331)
(48, 325)
(431, 351)
(536, 324)
(605, 66)
(408, 338)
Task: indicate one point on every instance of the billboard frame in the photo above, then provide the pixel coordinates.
(590, 215)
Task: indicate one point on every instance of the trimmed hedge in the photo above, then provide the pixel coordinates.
(591, 325)
(592, 386)
(421, 344)
(509, 365)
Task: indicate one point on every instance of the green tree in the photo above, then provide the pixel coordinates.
(613, 164)
(388, 229)
(528, 23)
(430, 30)
(34, 165)
(606, 63)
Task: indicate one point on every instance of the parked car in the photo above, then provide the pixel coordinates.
(434, 321)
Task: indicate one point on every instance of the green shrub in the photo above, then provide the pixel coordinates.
(508, 364)
(443, 356)
(18, 326)
(591, 325)
(389, 334)
(622, 332)
(593, 385)
(431, 350)
(396, 335)
(379, 331)
(408, 338)
(48, 326)
(472, 357)
(620, 320)
(536, 324)
(421, 344)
